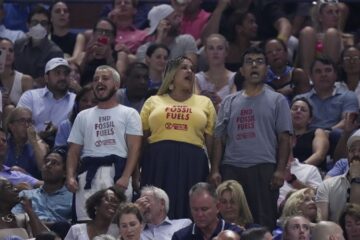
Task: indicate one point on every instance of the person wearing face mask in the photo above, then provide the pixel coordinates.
(35, 50)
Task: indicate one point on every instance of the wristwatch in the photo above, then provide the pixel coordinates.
(355, 180)
(293, 178)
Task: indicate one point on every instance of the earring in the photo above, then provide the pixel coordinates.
(171, 87)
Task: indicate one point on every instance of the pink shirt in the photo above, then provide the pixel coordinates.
(131, 37)
(195, 26)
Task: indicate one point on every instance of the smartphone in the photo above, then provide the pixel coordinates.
(2, 60)
(103, 40)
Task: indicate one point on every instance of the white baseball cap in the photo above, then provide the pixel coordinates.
(353, 138)
(158, 13)
(54, 63)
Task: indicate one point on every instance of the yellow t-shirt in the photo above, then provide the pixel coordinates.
(186, 121)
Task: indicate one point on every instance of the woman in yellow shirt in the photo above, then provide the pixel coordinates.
(178, 126)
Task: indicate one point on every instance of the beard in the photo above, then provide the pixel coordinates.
(106, 97)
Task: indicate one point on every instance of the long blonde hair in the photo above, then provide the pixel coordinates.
(171, 68)
(316, 10)
(238, 195)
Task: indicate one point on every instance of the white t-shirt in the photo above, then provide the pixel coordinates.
(79, 232)
(103, 132)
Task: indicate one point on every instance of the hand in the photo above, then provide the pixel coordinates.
(120, 47)
(215, 178)
(350, 121)
(17, 168)
(31, 134)
(26, 204)
(71, 184)
(143, 203)
(277, 180)
(354, 170)
(49, 130)
(123, 182)
(163, 28)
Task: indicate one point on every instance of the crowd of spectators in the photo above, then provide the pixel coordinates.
(180, 119)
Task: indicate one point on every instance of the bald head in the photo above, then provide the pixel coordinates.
(228, 235)
(326, 230)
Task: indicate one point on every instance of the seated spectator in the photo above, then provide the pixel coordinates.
(156, 58)
(34, 51)
(136, 86)
(12, 35)
(101, 208)
(204, 210)
(17, 178)
(323, 38)
(301, 203)
(217, 82)
(99, 50)
(227, 235)
(329, 105)
(20, 225)
(52, 202)
(130, 221)
(244, 28)
(194, 20)
(60, 30)
(333, 193)
(272, 19)
(299, 176)
(257, 233)
(26, 150)
(128, 37)
(349, 221)
(282, 77)
(154, 205)
(13, 83)
(297, 227)
(327, 230)
(55, 99)
(165, 28)
(84, 99)
(310, 145)
(233, 206)
(350, 66)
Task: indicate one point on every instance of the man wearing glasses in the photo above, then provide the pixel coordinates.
(35, 50)
(256, 126)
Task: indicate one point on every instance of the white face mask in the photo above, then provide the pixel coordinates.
(37, 32)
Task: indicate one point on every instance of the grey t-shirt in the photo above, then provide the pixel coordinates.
(251, 126)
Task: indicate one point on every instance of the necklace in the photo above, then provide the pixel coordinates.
(8, 218)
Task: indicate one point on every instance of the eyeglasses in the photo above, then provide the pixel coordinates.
(351, 58)
(43, 23)
(257, 61)
(105, 32)
(24, 121)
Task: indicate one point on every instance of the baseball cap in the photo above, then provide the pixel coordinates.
(353, 138)
(158, 13)
(54, 63)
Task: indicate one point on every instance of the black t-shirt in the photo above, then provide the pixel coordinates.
(66, 43)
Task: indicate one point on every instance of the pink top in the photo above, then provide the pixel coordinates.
(131, 37)
(195, 26)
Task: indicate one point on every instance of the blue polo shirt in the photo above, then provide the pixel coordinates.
(53, 207)
(192, 232)
(328, 112)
